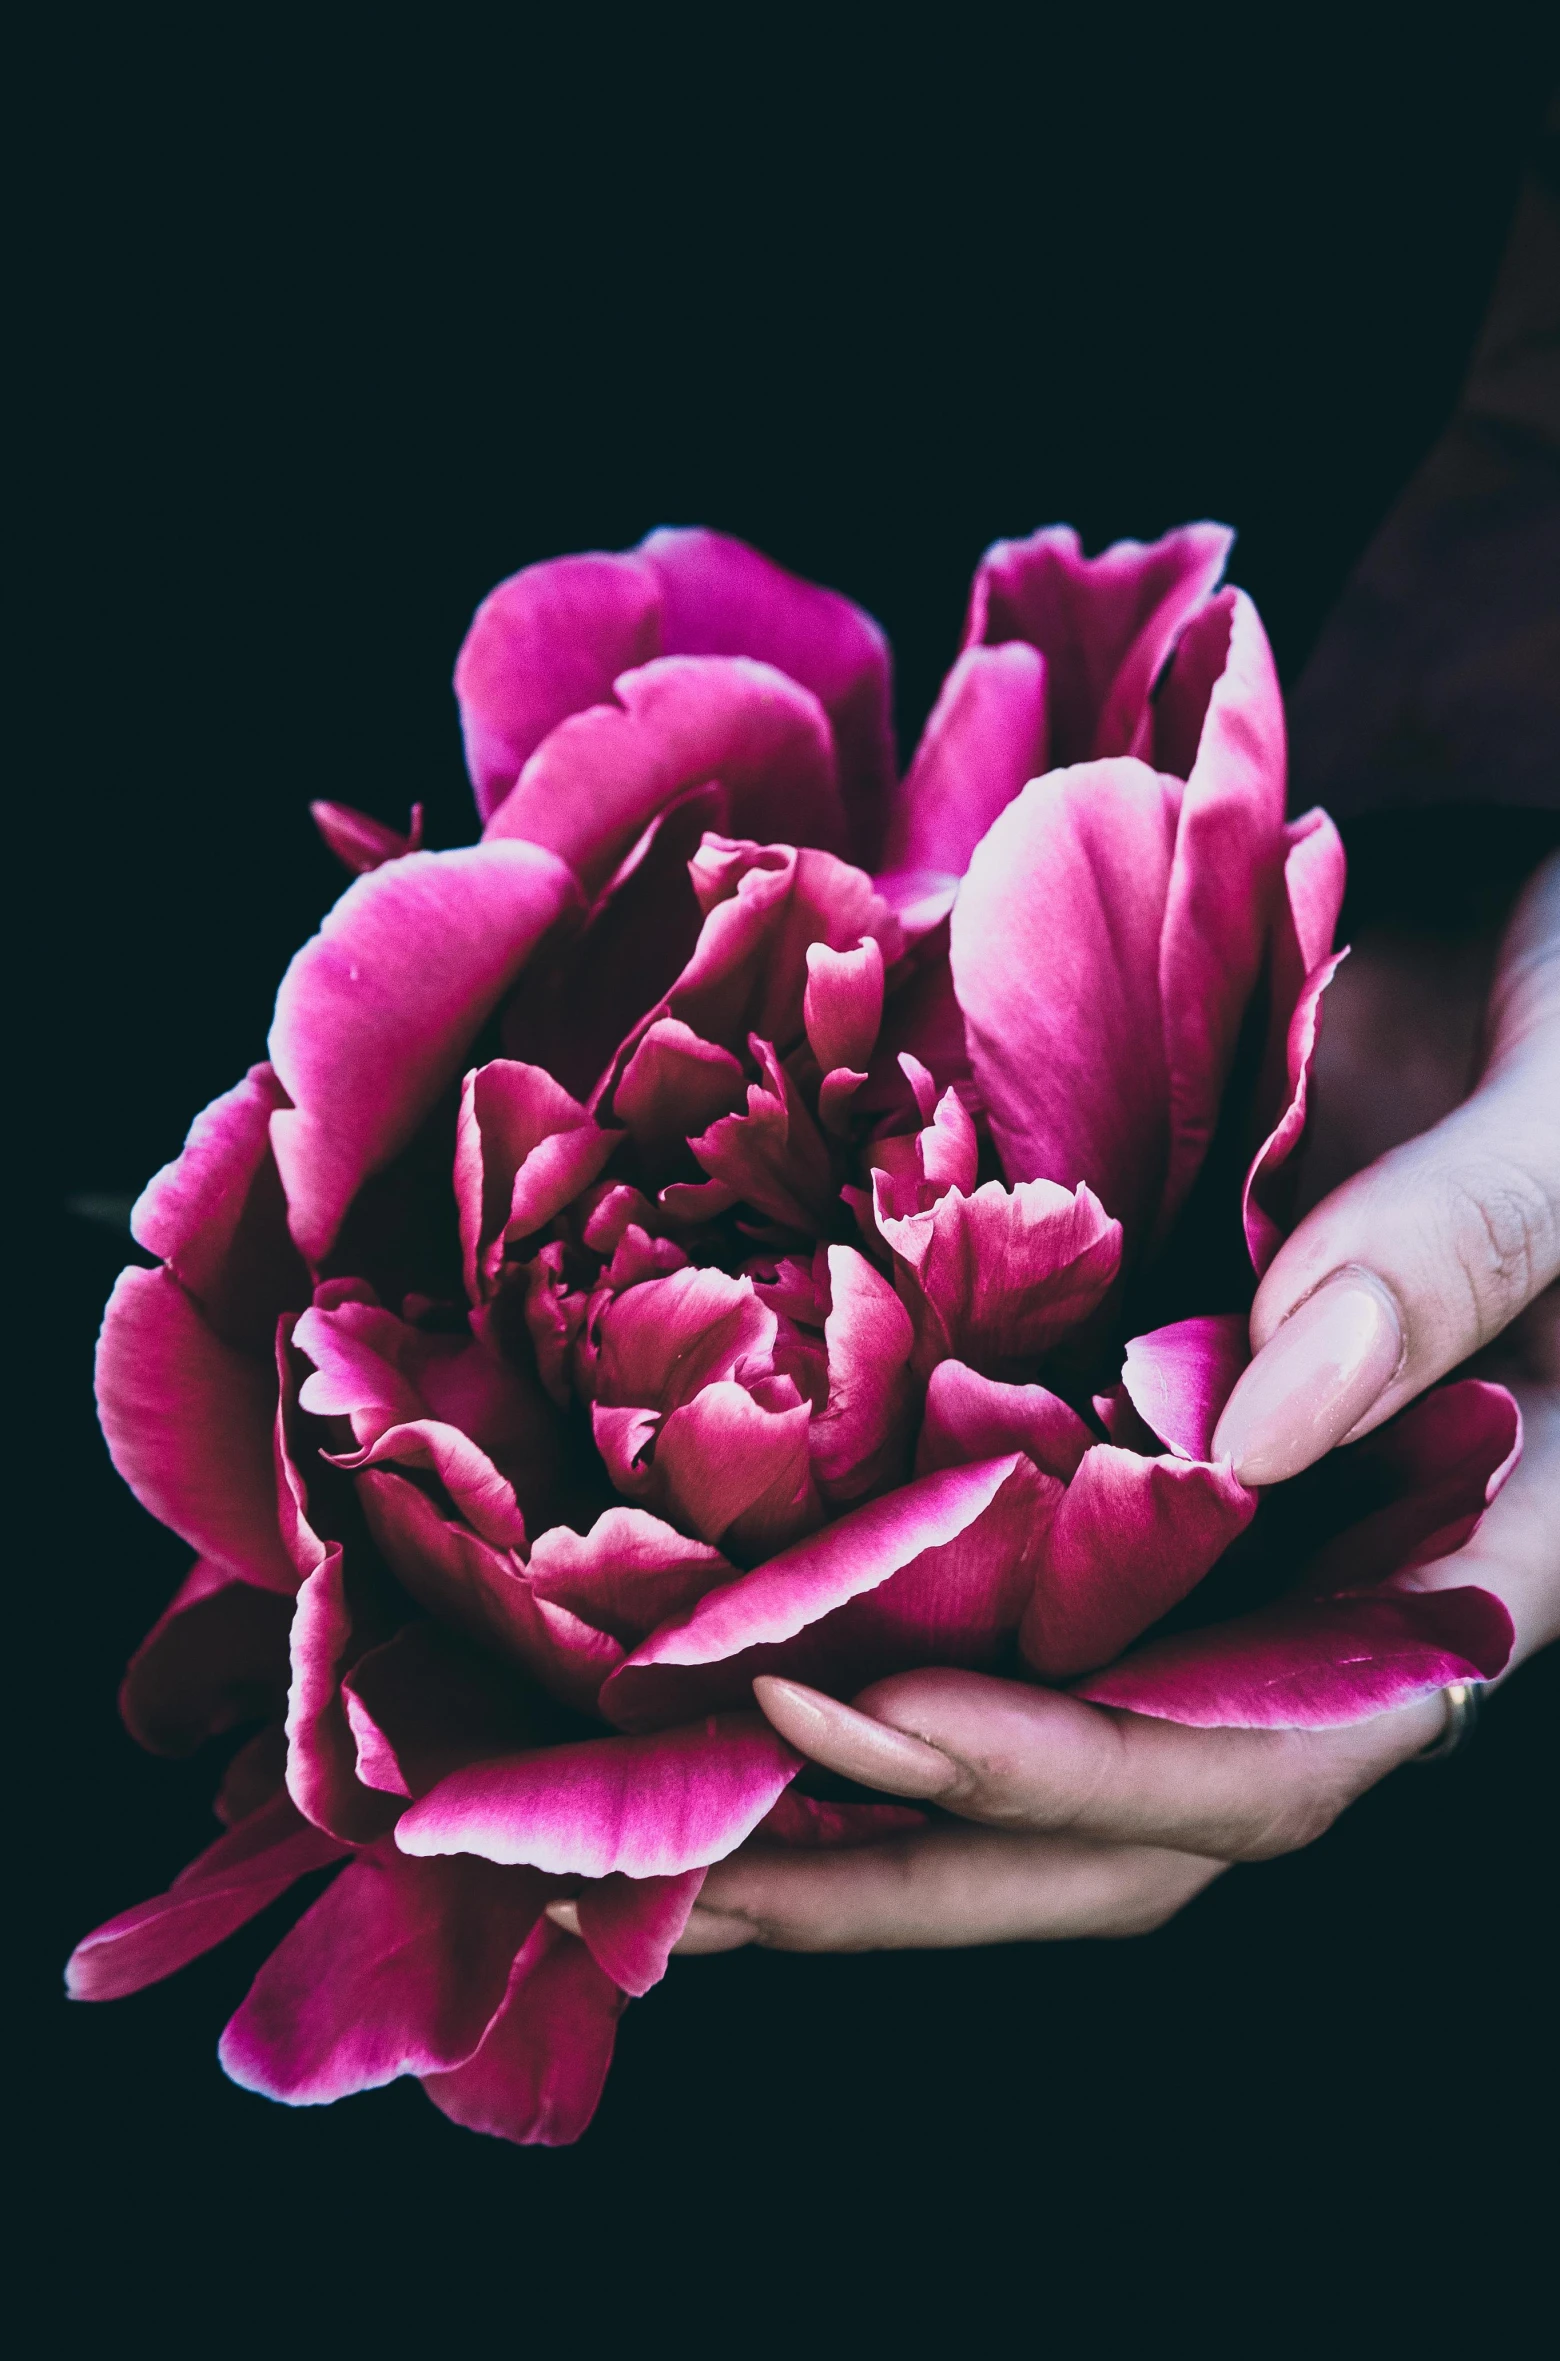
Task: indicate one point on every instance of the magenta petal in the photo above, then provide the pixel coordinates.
(985, 740)
(215, 1657)
(321, 1745)
(483, 1592)
(1055, 954)
(484, 1498)
(428, 1702)
(1179, 1378)
(675, 1084)
(631, 1923)
(1000, 1277)
(627, 1574)
(223, 1888)
(538, 2075)
(508, 1113)
(727, 1465)
(651, 1806)
(1104, 624)
(970, 1417)
(375, 1014)
(545, 644)
(1313, 1664)
(188, 1425)
(399, 1968)
(819, 1574)
(861, 1439)
(1227, 851)
(960, 1604)
(720, 598)
(663, 1341)
(1302, 965)
(362, 843)
(1440, 1463)
(216, 1215)
(597, 782)
(805, 1823)
(1131, 1537)
(842, 1007)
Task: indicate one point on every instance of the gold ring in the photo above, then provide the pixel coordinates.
(1462, 1712)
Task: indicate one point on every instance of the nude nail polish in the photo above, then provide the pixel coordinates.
(1313, 1380)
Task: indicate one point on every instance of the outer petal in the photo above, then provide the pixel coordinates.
(361, 842)
(223, 1888)
(1055, 954)
(1313, 1664)
(215, 1657)
(545, 644)
(1433, 1470)
(1302, 965)
(631, 1923)
(1227, 852)
(538, 2076)
(188, 1425)
(1131, 1537)
(651, 1807)
(399, 1968)
(720, 598)
(1105, 624)
(985, 740)
(216, 1215)
(428, 1702)
(1179, 1378)
(601, 778)
(376, 1013)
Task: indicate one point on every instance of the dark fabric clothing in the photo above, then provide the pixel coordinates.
(1436, 680)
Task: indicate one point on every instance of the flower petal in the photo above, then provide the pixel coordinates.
(428, 1702)
(1302, 965)
(970, 1417)
(1055, 954)
(1313, 1664)
(538, 2076)
(649, 1806)
(399, 1968)
(523, 1148)
(1130, 1538)
(1432, 1471)
(631, 1923)
(1104, 624)
(546, 643)
(720, 598)
(1000, 1277)
(361, 842)
(221, 1890)
(465, 1582)
(188, 1425)
(861, 1440)
(215, 1657)
(216, 1215)
(601, 777)
(627, 1574)
(376, 1013)
(985, 740)
(731, 1467)
(1179, 1378)
(1228, 848)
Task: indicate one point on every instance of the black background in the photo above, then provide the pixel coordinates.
(327, 328)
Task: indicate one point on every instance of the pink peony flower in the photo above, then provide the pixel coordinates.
(692, 1233)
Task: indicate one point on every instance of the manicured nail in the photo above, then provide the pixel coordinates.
(565, 1915)
(853, 1743)
(1313, 1380)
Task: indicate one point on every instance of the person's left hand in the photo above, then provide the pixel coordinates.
(1062, 1818)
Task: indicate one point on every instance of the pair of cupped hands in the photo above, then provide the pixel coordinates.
(1059, 1818)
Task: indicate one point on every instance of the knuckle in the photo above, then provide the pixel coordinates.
(1502, 1227)
(1290, 1823)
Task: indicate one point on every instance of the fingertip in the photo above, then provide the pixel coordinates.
(852, 1743)
(566, 1915)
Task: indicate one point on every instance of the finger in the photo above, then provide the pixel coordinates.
(1421, 1259)
(944, 1887)
(1016, 1757)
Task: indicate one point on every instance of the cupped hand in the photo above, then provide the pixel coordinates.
(1058, 1818)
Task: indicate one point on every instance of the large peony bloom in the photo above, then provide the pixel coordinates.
(692, 1233)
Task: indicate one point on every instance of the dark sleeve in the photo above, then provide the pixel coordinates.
(1436, 680)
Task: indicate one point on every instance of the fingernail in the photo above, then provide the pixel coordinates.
(853, 1743)
(565, 1915)
(1313, 1380)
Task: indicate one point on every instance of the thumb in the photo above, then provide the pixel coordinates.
(1428, 1253)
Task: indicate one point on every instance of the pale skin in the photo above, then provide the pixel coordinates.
(1061, 1819)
